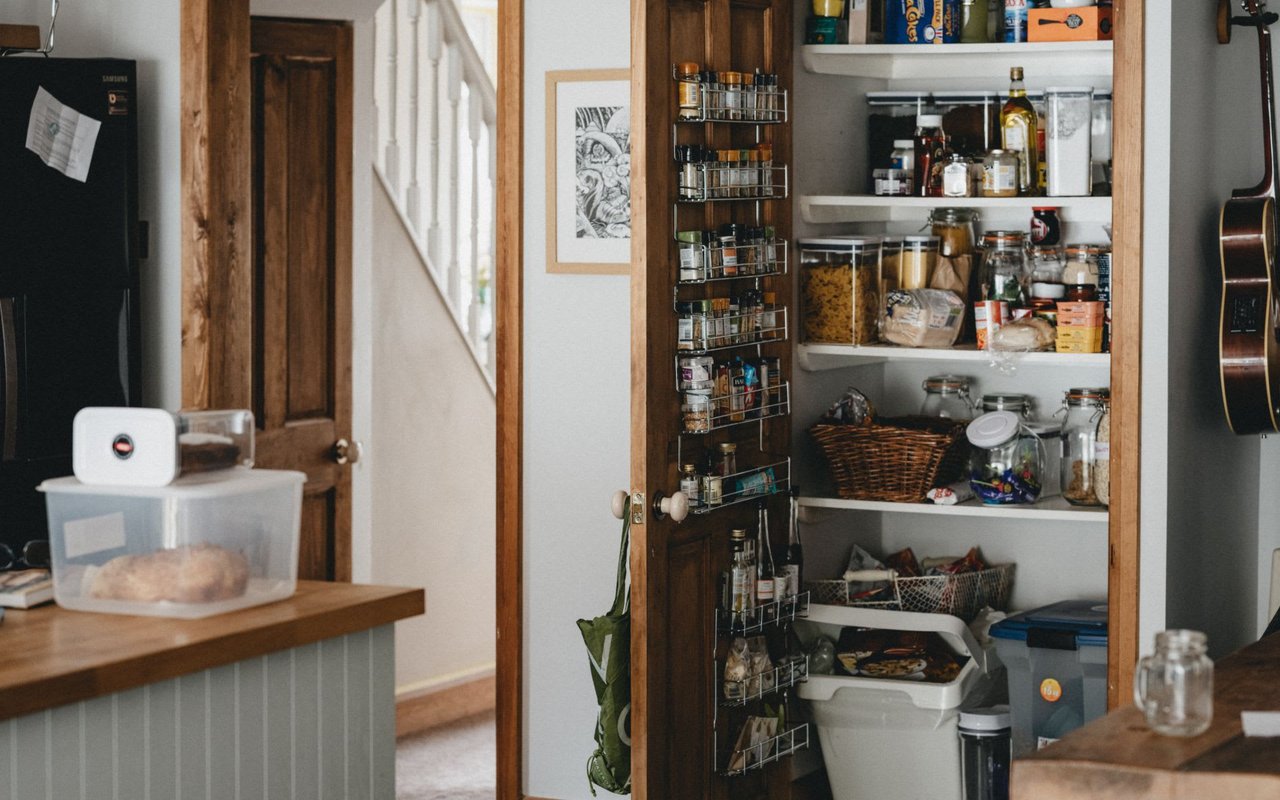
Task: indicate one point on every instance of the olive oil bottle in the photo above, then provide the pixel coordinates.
(1018, 128)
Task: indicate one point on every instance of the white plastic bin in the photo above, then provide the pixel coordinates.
(205, 544)
(886, 738)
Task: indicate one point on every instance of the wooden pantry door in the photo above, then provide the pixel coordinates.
(301, 344)
(675, 567)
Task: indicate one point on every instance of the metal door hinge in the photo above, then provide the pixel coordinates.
(637, 508)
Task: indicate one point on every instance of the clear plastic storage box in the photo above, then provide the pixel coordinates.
(152, 447)
(205, 544)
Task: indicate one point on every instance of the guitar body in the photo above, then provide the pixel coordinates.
(1248, 345)
(1249, 357)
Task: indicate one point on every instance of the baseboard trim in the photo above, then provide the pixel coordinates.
(434, 708)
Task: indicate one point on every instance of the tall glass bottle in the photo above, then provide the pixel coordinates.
(765, 592)
(1018, 126)
(793, 560)
(741, 578)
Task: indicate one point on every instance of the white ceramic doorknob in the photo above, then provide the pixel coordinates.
(619, 503)
(676, 506)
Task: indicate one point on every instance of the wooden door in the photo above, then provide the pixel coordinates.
(675, 568)
(301, 372)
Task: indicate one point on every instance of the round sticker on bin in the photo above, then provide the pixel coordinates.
(122, 446)
(1050, 690)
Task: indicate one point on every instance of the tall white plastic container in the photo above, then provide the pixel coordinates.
(205, 544)
(885, 738)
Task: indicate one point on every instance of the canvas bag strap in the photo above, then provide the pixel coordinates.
(621, 593)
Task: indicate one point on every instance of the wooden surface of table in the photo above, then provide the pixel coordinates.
(1118, 756)
(50, 656)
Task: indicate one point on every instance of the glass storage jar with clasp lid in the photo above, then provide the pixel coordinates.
(1084, 408)
(954, 229)
(1004, 267)
(947, 396)
(1006, 463)
(1080, 265)
(1019, 404)
(840, 289)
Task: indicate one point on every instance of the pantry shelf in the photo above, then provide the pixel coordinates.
(817, 357)
(1053, 509)
(980, 61)
(873, 208)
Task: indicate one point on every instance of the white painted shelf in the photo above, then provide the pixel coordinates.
(828, 208)
(815, 357)
(982, 61)
(1053, 509)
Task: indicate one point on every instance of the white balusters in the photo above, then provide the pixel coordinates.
(449, 209)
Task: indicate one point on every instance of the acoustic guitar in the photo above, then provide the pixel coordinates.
(1248, 351)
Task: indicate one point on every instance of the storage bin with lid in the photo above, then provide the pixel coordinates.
(1056, 658)
(891, 116)
(204, 544)
(1006, 464)
(151, 447)
(971, 120)
(885, 737)
(840, 289)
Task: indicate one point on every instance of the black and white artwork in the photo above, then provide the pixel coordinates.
(589, 171)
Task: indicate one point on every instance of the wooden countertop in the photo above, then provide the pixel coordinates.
(1119, 757)
(50, 656)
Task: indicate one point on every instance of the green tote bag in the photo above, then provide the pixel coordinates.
(608, 640)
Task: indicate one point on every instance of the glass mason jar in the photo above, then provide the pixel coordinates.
(1084, 409)
(1004, 267)
(1019, 404)
(1006, 464)
(954, 229)
(947, 396)
(1080, 265)
(1174, 686)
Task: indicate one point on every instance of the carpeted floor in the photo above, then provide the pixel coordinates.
(456, 762)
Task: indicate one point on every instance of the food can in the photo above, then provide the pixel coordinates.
(989, 315)
(922, 21)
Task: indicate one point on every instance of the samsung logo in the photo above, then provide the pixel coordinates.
(115, 78)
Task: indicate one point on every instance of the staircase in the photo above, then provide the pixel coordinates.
(435, 155)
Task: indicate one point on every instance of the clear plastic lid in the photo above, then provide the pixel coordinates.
(929, 121)
(209, 440)
(904, 144)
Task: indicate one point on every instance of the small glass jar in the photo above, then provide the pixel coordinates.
(691, 485)
(728, 459)
(903, 156)
(696, 412)
(954, 229)
(1006, 465)
(1019, 404)
(732, 94)
(1004, 271)
(692, 255)
(690, 86)
(947, 396)
(1080, 264)
(919, 257)
(1174, 686)
(1081, 293)
(955, 177)
(1084, 408)
(1050, 433)
(1000, 174)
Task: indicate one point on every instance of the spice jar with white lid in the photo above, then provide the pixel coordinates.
(1007, 460)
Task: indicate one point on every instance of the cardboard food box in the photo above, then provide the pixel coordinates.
(1087, 24)
(1087, 314)
(1079, 340)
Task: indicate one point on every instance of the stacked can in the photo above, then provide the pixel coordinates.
(1104, 295)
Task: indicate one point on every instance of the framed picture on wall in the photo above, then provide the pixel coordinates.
(589, 171)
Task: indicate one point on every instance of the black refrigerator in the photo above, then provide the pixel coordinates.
(69, 251)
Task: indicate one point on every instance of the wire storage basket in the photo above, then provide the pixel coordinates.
(962, 595)
(896, 460)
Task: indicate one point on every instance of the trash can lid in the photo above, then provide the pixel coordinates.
(985, 720)
(1086, 618)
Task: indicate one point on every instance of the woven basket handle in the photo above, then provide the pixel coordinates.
(869, 575)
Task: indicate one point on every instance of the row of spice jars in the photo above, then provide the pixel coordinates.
(719, 393)
(731, 251)
(728, 96)
(751, 317)
(718, 480)
(707, 173)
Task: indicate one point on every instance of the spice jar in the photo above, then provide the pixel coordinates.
(1084, 408)
(732, 82)
(918, 259)
(728, 459)
(840, 289)
(1004, 270)
(696, 412)
(692, 255)
(903, 156)
(690, 484)
(947, 396)
(954, 229)
(1007, 459)
(690, 90)
(1019, 404)
(1000, 174)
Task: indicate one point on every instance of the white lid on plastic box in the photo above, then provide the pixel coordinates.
(986, 720)
(125, 446)
(199, 486)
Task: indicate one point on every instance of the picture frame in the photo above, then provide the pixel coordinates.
(589, 172)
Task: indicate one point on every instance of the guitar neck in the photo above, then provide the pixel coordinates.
(1267, 186)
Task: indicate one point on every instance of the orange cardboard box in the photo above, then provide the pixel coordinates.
(1088, 24)
(1088, 314)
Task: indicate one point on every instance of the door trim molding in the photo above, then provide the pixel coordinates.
(510, 390)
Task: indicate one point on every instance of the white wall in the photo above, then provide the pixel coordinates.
(577, 423)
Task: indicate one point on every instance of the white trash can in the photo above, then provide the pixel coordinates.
(891, 738)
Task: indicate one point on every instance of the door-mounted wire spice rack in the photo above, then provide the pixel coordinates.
(756, 756)
(705, 263)
(703, 414)
(746, 485)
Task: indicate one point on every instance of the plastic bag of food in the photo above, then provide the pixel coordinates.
(860, 561)
(737, 668)
(922, 317)
(1026, 335)
(853, 408)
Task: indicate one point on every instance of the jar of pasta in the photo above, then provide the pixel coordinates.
(840, 289)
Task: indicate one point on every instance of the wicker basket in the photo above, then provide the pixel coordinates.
(961, 595)
(897, 459)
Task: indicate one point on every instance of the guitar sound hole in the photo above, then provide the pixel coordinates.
(1246, 315)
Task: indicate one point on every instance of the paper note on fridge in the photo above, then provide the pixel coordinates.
(62, 137)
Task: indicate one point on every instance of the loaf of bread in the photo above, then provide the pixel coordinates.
(202, 573)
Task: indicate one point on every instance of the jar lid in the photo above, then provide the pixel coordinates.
(728, 447)
(905, 144)
(689, 237)
(1046, 208)
(828, 244)
(993, 428)
(1082, 395)
(1068, 90)
(966, 96)
(953, 215)
(738, 533)
(687, 69)
(929, 121)
(986, 720)
(688, 468)
(919, 240)
(946, 384)
(895, 98)
(1101, 94)
(1003, 402)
